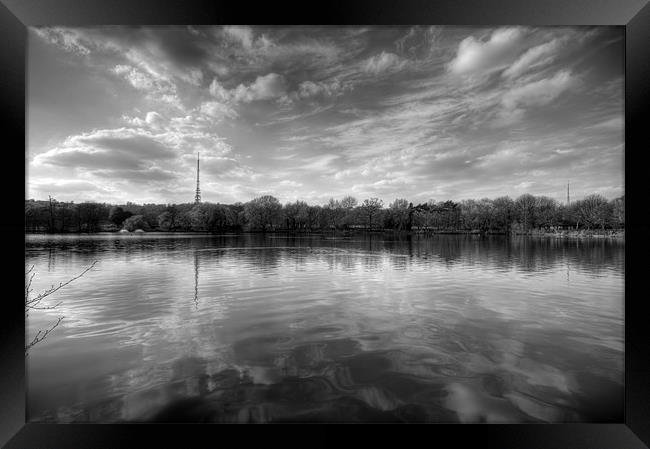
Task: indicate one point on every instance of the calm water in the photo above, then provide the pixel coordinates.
(365, 328)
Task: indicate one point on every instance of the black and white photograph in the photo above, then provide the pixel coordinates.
(325, 224)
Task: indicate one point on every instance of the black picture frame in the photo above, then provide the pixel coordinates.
(633, 15)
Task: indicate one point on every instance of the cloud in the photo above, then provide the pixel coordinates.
(264, 50)
(478, 57)
(524, 185)
(217, 110)
(534, 57)
(265, 87)
(540, 92)
(223, 166)
(612, 124)
(321, 89)
(536, 93)
(383, 62)
(157, 88)
(135, 77)
(68, 39)
(308, 89)
(318, 163)
(289, 183)
(107, 149)
(154, 119)
(240, 34)
(218, 91)
(75, 186)
(154, 174)
(124, 140)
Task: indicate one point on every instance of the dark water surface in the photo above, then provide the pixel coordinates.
(260, 328)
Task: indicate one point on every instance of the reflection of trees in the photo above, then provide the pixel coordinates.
(268, 253)
(521, 253)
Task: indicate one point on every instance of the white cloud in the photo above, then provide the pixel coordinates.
(67, 38)
(157, 88)
(218, 91)
(318, 163)
(477, 57)
(534, 57)
(524, 185)
(540, 92)
(217, 110)
(68, 189)
(536, 93)
(135, 77)
(382, 62)
(308, 89)
(265, 87)
(289, 183)
(154, 119)
(119, 148)
(612, 124)
(240, 34)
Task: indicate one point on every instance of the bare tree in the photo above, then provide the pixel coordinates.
(36, 303)
(370, 208)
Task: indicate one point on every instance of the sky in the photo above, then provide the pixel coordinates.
(118, 114)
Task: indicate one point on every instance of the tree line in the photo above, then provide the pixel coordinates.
(525, 214)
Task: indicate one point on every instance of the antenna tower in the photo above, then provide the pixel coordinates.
(197, 196)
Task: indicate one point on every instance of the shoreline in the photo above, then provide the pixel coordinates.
(565, 234)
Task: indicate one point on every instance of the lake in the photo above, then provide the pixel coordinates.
(370, 328)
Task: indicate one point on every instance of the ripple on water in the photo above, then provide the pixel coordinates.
(445, 328)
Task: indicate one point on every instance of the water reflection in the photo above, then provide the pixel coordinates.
(196, 279)
(326, 328)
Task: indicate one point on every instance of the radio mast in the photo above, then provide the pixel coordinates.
(197, 196)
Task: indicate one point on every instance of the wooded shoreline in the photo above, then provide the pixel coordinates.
(526, 215)
(618, 234)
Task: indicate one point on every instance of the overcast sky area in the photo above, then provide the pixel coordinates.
(118, 114)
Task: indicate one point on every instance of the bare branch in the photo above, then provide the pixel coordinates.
(46, 307)
(40, 335)
(41, 296)
(34, 303)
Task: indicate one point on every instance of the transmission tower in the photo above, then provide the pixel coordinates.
(197, 196)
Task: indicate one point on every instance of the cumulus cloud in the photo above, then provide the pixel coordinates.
(218, 91)
(382, 62)
(320, 89)
(154, 119)
(265, 87)
(534, 57)
(478, 57)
